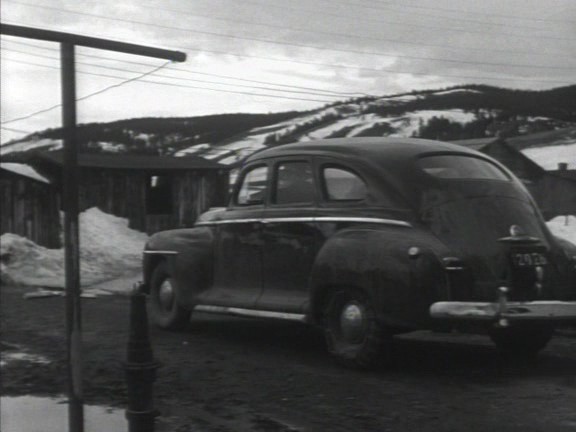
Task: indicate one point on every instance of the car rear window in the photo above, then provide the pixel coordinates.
(461, 167)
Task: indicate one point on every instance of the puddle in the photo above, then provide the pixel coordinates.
(41, 414)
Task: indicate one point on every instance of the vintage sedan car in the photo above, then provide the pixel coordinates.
(368, 238)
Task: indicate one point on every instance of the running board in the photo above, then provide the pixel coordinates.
(250, 313)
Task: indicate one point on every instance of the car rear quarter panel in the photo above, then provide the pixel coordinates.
(376, 260)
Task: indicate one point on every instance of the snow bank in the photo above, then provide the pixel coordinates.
(564, 227)
(108, 249)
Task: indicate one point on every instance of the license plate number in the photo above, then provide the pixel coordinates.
(528, 259)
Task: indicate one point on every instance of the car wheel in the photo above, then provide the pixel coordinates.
(165, 311)
(352, 332)
(522, 340)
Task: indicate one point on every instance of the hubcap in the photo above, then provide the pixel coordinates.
(352, 322)
(166, 295)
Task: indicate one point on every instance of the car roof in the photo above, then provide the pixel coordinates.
(369, 148)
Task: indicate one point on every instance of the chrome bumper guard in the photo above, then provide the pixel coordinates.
(505, 310)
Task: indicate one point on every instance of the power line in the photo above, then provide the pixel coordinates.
(180, 85)
(345, 35)
(282, 42)
(88, 95)
(15, 130)
(329, 93)
(460, 19)
(368, 69)
(183, 79)
(516, 17)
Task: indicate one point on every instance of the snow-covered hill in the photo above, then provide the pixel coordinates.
(331, 123)
(445, 114)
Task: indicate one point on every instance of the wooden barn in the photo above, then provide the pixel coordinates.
(153, 192)
(30, 204)
(554, 190)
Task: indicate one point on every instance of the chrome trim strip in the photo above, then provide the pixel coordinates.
(230, 221)
(310, 219)
(250, 313)
(288, 219)
(364, 220)
(160, 252)
(547, 310)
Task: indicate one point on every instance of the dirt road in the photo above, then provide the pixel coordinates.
(230, 374)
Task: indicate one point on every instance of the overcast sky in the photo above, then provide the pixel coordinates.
(301, 53)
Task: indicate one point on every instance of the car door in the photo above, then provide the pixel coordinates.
(289, 235)
(238, 251)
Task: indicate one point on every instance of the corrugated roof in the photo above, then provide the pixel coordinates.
(137, 162)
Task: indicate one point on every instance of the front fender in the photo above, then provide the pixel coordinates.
(377, 260)
(189, 253)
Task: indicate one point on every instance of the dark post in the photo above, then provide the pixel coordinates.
(71, 241)
(140, 368)
(135, 368)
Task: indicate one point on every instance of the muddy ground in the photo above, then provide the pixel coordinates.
(232, 374)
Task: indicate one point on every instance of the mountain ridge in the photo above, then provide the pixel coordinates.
(457, 112)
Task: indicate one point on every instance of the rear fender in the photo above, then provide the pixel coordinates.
(397, 267)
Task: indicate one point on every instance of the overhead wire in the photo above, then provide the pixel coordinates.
(380, 70)
(391, 7)
(261, 40)
(329, 93)
(515, 17)
(274, 59)
(88, 95)
(400, 41)
(183, 79)
(159, 83)
(16, 130)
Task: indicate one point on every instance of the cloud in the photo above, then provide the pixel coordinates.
(377, 47)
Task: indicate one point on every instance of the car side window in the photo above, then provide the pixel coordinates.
(343, 185)
(253, 188)
(294, 183)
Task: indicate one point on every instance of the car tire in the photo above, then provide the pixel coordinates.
(164, 309)
(353, 335)
(522, 340)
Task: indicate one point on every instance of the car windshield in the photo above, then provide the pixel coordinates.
(461, 167)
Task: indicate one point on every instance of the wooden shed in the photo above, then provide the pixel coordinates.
(30, 204)
(153, 192)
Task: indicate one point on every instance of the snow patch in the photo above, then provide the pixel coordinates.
(108, 249)
(408, 124)
(563, 227)
(192, 149)
(549, 157)
(445, 92)
(110, 147)
(46, 144)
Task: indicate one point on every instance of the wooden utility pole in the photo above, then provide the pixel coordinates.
(68, 41)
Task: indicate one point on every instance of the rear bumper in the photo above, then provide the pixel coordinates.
(509, 311)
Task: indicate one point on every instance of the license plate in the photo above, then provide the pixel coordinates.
(528, 259)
